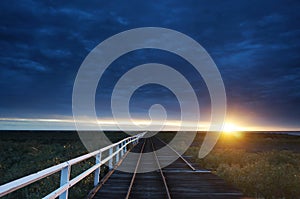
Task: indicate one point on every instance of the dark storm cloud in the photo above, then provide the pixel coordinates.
(255, 44)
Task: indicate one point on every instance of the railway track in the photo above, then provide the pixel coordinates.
(178, 180)
(155, 180)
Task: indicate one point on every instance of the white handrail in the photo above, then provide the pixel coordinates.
(65, 168)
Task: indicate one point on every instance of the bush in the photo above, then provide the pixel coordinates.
(274, 174)
(19, 159)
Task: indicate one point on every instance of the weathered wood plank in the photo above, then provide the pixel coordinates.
(182, 182)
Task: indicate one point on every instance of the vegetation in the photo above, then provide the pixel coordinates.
(260, 165)
(258, 173)
(24, 153)
(274, 174)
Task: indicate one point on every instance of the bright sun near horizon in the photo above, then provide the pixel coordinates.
(232, 130)
(230, 127)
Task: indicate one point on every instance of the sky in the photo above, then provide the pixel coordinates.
(255, 45)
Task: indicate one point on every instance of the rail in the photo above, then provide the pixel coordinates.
(138, 165)
(180, 156)
(115, 150)
(135, 171)
(160, 170)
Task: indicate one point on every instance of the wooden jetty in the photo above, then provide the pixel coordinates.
(181, 179)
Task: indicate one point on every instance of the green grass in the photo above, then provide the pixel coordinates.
(24, 153)
(272, 174)
(256, 164)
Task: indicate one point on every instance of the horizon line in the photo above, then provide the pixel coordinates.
(107, 124)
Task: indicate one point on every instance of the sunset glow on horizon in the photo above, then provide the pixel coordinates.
(110, 124)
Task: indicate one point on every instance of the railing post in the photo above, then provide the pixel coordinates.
(125, 148)
(118, 154)
(110, 162)
(64, 178)
(97, 171)
(121, 152)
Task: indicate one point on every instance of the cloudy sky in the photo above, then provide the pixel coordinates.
(255, 45)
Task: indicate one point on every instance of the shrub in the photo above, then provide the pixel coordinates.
(274, 174)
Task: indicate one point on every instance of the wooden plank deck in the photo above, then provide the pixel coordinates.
(181, 180)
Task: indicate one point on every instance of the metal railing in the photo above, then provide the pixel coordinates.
(116, 150)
